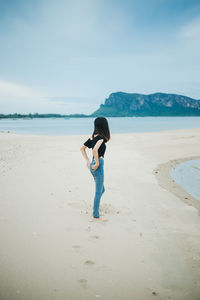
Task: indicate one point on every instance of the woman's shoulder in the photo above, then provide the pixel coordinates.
(99, 137)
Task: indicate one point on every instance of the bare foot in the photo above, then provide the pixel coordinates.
(93, 219)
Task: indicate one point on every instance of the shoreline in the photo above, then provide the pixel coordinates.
(164, 179)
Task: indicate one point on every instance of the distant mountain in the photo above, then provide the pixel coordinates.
(158, 104)
(126, 105)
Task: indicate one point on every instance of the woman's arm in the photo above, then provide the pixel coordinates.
(82, 149)
(95, 153)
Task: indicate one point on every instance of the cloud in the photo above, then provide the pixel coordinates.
(11, 89)
(19, 98)
(68, 56)
(191, 29)
(68, 99)
(73, 104)
(15, 97)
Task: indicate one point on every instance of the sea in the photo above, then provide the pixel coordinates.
(187, 175)
(73, 126)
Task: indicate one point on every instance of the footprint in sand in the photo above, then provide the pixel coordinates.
(83, 206)
(75, 204)
(107, 208)
(95, 237)
(154, 293)
(88, 229)
(76, 246)
(89, 262)
(83, 283)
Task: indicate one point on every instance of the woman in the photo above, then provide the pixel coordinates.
(100, 136)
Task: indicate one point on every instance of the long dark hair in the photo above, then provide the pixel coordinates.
(101, 127)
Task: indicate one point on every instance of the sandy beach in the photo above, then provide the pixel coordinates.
(147, 245)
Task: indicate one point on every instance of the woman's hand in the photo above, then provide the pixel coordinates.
(95, 167)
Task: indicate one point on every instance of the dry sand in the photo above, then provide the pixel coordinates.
(147, 245)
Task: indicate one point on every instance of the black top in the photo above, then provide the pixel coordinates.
(91, 143)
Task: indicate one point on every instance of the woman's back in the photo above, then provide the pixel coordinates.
(90, 143)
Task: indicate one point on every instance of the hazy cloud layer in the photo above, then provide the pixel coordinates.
(68, 56)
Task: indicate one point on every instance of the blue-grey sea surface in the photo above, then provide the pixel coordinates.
(73, 126)
(187, 175)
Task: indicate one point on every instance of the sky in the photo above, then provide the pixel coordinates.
(69, 56)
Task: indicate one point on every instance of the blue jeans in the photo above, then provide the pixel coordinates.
(99, 184)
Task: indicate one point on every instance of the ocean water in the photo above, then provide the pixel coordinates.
(73, 126)
(187, 175)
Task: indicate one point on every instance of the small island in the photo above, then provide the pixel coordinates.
(122, 104)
